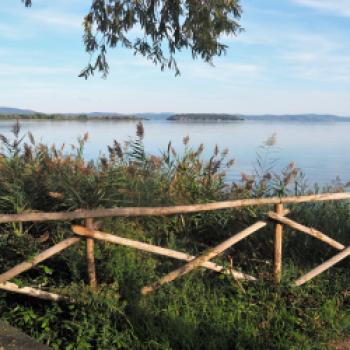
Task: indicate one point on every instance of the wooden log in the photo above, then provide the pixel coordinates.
(161, 211)
(26, 265)
(323, 267)
(149, 248)
(285, 212)
(206, 256)
(37, 293)
(308, 230)
(90, 256)
(277, 262)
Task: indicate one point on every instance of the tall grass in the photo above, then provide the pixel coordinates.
(202, 310)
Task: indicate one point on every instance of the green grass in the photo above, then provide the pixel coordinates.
(199, 311)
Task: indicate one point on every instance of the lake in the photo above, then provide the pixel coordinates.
(319, 149)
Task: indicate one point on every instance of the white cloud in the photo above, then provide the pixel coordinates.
(300, 57)
(62, 18)
(317, 57)
(339, 7)
(221, 71)
(12, 32)
(60, 21)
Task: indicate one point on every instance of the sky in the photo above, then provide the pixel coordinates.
(293, 57)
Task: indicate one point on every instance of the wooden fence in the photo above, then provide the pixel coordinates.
(89, 232)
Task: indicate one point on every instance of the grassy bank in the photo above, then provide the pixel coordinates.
(202, 310)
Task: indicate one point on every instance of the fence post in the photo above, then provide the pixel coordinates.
(90, 257)
(277, 266)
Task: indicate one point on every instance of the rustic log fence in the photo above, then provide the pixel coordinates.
(90, 233)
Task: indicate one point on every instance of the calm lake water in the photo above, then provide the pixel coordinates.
(319, 149)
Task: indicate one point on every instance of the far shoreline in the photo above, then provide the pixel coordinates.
(196, 118)
(71, 118)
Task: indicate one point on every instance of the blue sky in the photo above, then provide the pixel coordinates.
(294, 57)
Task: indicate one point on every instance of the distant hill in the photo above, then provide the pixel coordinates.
(297, 118)
(112, 116)
(10, 110)
(81, 117)
(12, 113)
(308, 118)
(106, 114)
(200, 117)
(155, 116)
(18, 113)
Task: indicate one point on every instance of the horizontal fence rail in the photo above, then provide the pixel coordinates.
(89, 233)
(162, 211)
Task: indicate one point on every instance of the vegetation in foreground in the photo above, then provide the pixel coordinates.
(202, 310)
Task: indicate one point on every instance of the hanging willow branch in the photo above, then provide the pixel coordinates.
(158, 29)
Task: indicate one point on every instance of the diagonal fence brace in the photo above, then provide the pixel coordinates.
(26, 265)
(150, 248)
(206, 256)
(323, 267)
(308, 230)
(37, 293)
